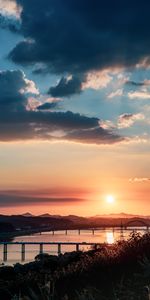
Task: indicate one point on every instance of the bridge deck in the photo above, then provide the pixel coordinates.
(50, 243)
(41, 246)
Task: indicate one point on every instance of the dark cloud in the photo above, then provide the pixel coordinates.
(46, 192)
(18, 122)
(79, 36)
(13, 88)
(126, 116)
(8, 22)
(67, 87)
(64, 120)
(42, 70)
(48, 106)
(94, 136)
(43, 125)
(138, 84)
(7, 200)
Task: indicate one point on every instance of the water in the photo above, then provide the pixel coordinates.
(100, 236)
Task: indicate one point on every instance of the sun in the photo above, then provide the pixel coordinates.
(110, 199)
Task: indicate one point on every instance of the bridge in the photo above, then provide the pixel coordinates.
(135, 221)
(41, 247)
(128, 225)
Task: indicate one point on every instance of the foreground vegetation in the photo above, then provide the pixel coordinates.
(117, 272)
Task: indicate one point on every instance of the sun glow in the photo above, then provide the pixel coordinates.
(110, 199)
(110, 237)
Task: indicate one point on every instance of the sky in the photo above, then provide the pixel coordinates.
(74, 106)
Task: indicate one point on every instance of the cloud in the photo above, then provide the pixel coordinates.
(66, 87)
(45, 125)
(10, 23)
(117, 93)
(10, 15)
(48, 106)
(142, 95)
(7, 200)
(14, 87)
(139, 179)
(74, 37)
(127, 120)
(97, 80)
(10, 8)
(138, 84)
(97, 136)
(43, 103)
(144, 63)
(107, 124)
(23, 117)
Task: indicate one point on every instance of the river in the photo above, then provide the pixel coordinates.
(100, 236)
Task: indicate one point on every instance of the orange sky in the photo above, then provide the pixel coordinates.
(83, 175)
(74, 110)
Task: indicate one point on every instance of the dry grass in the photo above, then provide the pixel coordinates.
(119, 272)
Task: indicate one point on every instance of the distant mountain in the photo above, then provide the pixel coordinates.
(73, 218)
(81, 220)
(45, 216)
(50, 216)
(119, 215)
(27, 214)
(76, 219)
(27, 221)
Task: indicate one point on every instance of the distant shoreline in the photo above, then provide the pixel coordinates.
(11, 235)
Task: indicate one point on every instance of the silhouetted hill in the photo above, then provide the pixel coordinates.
(24, 222)
(49, 216)
(6, 227)
(27, 214)
(120, 215)
(77, 219)
(51, 222)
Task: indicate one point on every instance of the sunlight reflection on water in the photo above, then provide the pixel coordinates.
(110, 237)
(86, 236)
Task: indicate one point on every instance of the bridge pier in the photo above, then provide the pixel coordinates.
(53, 232)
(59, 249)
(66, 231)
(121, 231)
(5, 253)
(95, 247)
(77, 247)
(41, 248)
(79, 231)
(23, 252)
(93, 231)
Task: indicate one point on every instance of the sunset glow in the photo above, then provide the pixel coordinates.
(74, 149)
(74, 129)
(110, 199)
(110, 237)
